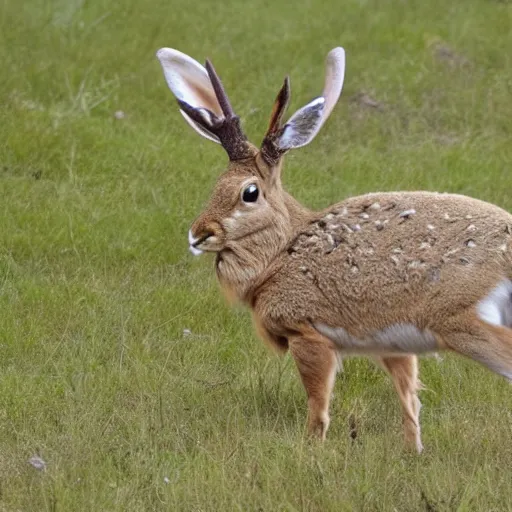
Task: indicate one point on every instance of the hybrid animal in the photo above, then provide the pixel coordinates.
(388, 275)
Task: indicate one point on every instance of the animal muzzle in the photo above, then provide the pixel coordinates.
(205, 241)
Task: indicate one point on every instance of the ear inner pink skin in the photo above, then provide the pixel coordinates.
(204, 102)
(188, 80)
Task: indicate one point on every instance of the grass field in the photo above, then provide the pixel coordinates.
(121, 366)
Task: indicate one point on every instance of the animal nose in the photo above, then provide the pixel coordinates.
(195, 241)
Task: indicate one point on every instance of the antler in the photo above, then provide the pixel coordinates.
(204, 102)
(222, 97)
(227, 128)
(303, 126)
(270, 149)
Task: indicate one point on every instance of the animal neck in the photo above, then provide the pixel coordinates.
(299, 215)
(245, 265)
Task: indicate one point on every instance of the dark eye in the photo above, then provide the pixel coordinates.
(250, 194)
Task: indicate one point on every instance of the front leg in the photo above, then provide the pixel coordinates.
(317, 363)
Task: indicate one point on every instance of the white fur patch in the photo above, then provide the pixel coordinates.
(496, 308)
(192, 241)
(195, 251)
(397, 338)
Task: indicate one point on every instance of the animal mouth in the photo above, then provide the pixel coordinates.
(206, 243)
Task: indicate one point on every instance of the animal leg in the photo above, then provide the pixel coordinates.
(317, 363)
(488, 344)
(404, 372)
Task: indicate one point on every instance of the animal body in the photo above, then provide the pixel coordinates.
(387, 275)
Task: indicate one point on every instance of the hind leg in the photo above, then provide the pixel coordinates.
(404, 372)
(490, 345)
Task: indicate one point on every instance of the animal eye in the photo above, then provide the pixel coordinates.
(250, 194)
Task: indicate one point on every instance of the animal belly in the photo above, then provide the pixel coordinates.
(395, 339)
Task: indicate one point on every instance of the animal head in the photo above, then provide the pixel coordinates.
(248, 200)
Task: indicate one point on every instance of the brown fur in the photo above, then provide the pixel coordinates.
(404, 372)
(386, 274)
(363, 264)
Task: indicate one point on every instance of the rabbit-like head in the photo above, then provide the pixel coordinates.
(248, 212)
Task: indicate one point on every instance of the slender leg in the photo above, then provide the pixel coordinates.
(404, 372)
(317, 363)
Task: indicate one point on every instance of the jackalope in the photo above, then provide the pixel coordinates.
(389, 275)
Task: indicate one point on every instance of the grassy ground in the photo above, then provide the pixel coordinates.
(98, 375)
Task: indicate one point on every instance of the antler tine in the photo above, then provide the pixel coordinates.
(280, 104)
(222, 97)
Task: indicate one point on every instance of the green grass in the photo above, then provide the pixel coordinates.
(97, 376)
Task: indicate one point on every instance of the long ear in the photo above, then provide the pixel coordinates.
(303, 126)
(189, 82)
(204, 102)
